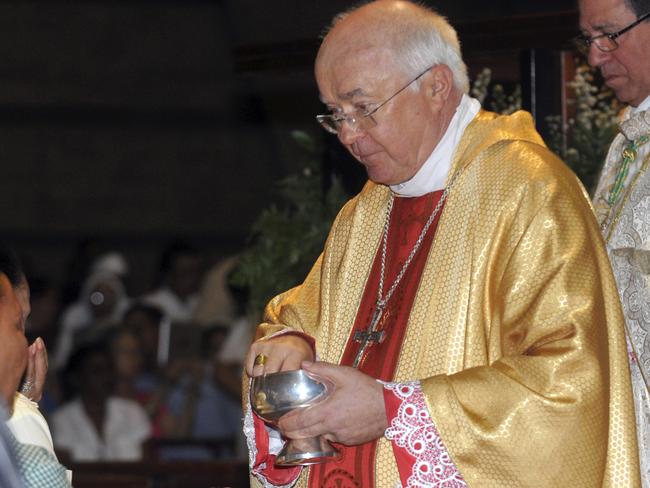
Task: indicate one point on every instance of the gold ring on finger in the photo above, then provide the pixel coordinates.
(260, 360)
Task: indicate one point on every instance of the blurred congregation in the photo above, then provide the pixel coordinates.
(130, 374)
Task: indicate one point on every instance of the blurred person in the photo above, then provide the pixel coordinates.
(157, 380)
(96, 425)
(174, 394)
(221, 302)
(225, 374)
(206, 401)
(111, 262)
(128, 358)
(463, 307)
(179, 278)
(28, 433)
(215, 302)
(241, 329)
(145, 320)
(101, 304)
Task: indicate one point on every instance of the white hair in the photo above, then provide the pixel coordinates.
(431, 41)
(421, 40)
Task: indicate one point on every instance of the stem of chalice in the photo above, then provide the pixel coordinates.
(275, 394)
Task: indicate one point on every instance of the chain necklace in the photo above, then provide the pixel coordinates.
(371, 335)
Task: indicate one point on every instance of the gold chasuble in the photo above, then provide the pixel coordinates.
(515, 331)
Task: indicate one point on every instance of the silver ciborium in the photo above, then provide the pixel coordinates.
(275, 394)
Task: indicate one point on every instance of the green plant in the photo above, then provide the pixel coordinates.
(494, 95)
(289, 235)
(583, 141)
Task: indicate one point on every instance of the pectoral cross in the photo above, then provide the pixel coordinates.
(371, 335)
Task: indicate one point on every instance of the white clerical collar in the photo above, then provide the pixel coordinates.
(433, 173)
(644, 105)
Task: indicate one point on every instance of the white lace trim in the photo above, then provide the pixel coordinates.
(249, 432)
(413, 430)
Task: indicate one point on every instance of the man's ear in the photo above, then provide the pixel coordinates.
(440, 84)
(5, 286)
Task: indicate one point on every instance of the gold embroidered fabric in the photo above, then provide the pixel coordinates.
(523, 361)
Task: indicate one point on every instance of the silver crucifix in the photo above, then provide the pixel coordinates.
(369, 336)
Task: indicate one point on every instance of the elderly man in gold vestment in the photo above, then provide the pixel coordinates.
(463, 307)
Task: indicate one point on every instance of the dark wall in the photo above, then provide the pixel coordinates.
(126, 121)
(138, 120)
(125, 117)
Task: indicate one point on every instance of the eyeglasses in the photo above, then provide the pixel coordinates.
(606, 42)
(360, 119)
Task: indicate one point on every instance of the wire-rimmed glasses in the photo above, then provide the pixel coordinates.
(360, 120)
(606, 42)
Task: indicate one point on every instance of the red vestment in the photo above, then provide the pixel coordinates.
(355, 467)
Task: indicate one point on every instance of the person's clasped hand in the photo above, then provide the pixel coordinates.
(36, 372)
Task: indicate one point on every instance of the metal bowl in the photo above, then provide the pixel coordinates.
(275, 394)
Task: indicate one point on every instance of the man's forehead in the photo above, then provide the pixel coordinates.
(354, 56)
(361, 85)
(354, 73)
(345, 96)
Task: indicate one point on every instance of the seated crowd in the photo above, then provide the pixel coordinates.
(131, 378)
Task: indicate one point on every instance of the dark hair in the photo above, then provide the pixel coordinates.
(117, 331)
(173, 251)
(639, 7)
(206, 336)
(10, 266)
(81, 353)
(76, 363)
(153, 312)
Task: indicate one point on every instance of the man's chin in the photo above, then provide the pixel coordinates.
(377, 176)
(618, 85)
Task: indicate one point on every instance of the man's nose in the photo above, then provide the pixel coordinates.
(349, 133)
